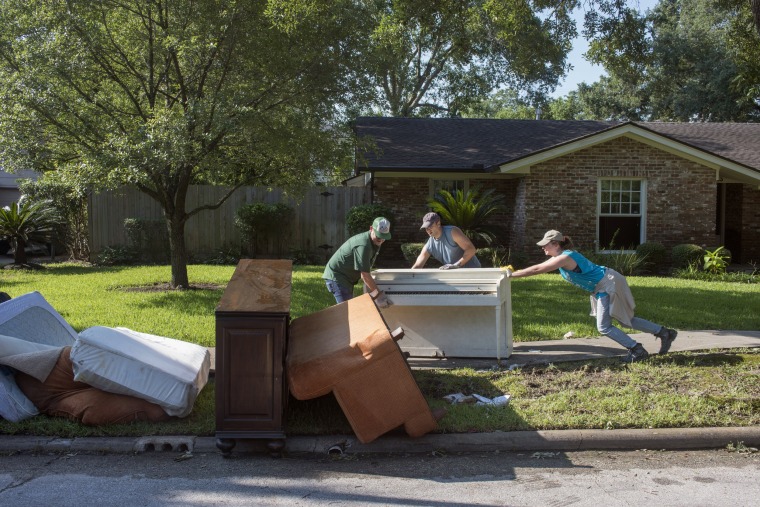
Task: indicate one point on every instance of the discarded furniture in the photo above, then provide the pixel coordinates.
(348, 350)
(449, 313)
(164, 371)
(251, 336)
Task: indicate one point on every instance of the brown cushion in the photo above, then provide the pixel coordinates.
(60, 395)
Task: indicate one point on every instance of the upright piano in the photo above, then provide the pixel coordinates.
(463, 312)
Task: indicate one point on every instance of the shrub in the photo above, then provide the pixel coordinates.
(26, 222)
(412, 250)
(116, 255)
(471, 211)
(69, 200)
(303, 257)
(148, 239)
(360, 218)
(686, 254)
(259, 223)
(716, 261)
(653, 255)
(625, 263)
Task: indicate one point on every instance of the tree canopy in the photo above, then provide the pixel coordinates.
(437, 57)
(163, 94)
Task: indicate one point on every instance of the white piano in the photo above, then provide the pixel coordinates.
(449, 313)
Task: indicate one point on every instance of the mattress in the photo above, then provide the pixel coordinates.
(31, 318)
(165, 371)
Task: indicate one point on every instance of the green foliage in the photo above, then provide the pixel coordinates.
(69, 199)
(694, 272)
(412, 250)
(686, 254)
(439, 57)
(25, 222)
(716, 261)
(686, 60)
(262, 223)
(360, 218)
(117, 255)
(303, 257)
(471, 211)
(653, 255)
(147, 239)
(228, 256)
(162, 96)
(625, 263)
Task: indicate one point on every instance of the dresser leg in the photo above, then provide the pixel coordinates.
(275, 447)
(225, 445)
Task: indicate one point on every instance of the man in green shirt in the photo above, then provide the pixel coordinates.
(353, 261)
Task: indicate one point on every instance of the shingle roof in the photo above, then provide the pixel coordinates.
(456, 144)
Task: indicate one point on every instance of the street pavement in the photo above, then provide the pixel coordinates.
(524, 354)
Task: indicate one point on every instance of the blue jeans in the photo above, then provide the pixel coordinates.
(604, 324)
(341, 293)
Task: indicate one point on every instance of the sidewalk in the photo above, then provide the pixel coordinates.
(525, 353)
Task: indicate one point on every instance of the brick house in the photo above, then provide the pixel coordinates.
(667, 182)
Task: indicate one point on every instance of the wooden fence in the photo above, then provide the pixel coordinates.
(319, 224)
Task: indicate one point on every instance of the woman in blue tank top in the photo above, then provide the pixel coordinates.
(610, 295)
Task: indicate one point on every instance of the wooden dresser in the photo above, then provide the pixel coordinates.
(252, 321)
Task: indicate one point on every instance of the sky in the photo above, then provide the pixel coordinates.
(583, 71)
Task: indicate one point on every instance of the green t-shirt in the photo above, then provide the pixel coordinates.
(353, 257)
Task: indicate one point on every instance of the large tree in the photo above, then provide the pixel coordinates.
(163, 94)
(685, 60)
(438, 57)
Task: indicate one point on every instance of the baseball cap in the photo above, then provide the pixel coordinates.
(551, 236)
(382, 228)
(430, 219)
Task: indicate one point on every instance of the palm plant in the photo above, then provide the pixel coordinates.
(26, 221)
(470, 212)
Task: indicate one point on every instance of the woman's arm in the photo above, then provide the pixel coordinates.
(560, 261)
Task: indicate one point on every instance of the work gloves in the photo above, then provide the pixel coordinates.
(381, 300)
(450, 266)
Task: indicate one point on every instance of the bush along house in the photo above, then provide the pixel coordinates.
(602, 183)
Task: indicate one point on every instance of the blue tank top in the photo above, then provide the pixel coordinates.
(446, 251)
(586, 275)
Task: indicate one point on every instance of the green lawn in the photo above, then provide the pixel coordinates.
(678, 390)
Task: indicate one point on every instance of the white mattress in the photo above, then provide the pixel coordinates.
(30, 317)
(162, 370)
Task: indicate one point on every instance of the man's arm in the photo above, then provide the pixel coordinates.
(422, 258)
(465, 244)
(369, 281)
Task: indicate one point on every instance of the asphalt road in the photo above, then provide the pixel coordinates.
(553, 479)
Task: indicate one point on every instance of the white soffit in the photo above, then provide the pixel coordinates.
(727, 168)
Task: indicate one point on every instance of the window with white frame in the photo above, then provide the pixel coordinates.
(621, 214)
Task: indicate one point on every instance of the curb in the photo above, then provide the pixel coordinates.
(551, 440)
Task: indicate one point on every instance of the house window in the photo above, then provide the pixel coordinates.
(621, 214)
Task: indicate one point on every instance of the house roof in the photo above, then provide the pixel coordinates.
(476, 145)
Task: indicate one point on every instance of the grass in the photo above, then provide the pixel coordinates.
(678, 390)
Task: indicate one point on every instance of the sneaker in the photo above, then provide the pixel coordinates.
(666, 336)
(637, 353)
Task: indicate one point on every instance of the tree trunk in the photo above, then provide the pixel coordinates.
(178, 252)
(755, 7)
(19, 251)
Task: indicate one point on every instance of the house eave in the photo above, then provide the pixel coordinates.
(726, 169)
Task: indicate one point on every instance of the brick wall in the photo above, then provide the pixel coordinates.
(562, 193)
(750, 244)
(408, 197)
